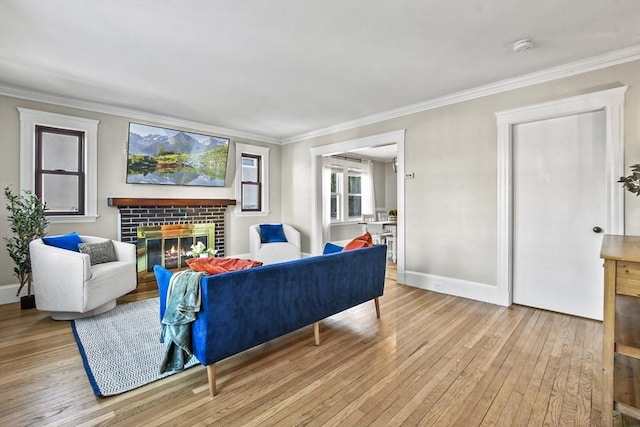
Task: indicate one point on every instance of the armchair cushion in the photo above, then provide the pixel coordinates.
(66, 241)
(99, 253)
(272, 233)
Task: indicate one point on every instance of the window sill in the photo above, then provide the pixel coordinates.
(354, 222)
(69, 219)
(238, 212)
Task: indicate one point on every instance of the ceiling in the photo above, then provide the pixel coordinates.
(279, 69)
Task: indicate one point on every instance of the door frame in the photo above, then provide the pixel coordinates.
(612, 102)
(318, 229)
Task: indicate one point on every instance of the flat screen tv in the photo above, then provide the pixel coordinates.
(171, 157)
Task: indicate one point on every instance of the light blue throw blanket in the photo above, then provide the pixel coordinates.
(183, 303)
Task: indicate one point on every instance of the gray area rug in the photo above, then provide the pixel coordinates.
(121, 349)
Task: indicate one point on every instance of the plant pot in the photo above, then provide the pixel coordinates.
(204, 255)
(27, 302)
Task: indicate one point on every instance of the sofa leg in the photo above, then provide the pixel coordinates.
(377, 303)
(316, 332)
(211, 374)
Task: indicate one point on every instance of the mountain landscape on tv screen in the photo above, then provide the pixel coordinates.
(168, 157)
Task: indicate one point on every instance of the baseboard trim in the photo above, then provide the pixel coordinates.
(456, 287)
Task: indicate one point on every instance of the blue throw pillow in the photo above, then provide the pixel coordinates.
(330, 248)
(67, 241)
(272, 233)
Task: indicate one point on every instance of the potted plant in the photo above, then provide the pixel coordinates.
(27, 222)
(632, 182)
(393, 215)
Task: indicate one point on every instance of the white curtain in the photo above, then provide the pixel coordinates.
(368, 193)
(326, 200)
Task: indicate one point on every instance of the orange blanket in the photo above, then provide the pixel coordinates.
(213, 266)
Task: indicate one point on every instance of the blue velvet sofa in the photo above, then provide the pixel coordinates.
(245, 308)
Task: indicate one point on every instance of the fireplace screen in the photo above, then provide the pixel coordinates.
(168, 245)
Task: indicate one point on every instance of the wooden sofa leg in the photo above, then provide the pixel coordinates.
(211, 374)
(377, 303)
(316, 332)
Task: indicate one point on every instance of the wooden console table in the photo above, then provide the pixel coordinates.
(621, 335)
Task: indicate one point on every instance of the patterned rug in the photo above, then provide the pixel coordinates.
(121, 349)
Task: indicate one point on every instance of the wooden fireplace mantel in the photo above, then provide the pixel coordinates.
(147, 202)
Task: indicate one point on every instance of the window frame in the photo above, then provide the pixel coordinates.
(353, 173)
(257, 183)
(29, 119)
(263, 154)
(345, 168)
(40, 172)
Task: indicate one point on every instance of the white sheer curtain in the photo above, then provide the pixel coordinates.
(368, 193)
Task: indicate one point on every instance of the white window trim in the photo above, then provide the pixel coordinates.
(263, 152)
(28, 121)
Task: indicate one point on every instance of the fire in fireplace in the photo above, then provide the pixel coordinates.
(168, 245)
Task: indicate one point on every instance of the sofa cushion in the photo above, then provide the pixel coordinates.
(272, 233)
(99, 253)
(359, 242)
(66, 241)
(330, 248)
(213, 266)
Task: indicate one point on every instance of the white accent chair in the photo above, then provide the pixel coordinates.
(67, 285)
(271, 253)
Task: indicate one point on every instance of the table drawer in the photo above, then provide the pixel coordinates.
(628, 278)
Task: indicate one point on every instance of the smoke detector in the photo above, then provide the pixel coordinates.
(522, 45)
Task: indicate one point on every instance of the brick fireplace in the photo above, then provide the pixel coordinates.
(146, 212)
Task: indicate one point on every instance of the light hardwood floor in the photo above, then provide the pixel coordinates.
(431, 360)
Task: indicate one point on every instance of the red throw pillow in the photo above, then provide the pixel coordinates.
(359, 242)
(213, 266)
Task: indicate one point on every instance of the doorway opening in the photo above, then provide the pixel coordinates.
(357, 147)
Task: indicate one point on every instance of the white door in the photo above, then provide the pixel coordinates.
(559, 204)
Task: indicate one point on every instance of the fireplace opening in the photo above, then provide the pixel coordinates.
(168, 246)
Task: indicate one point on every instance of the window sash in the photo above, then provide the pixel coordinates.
(59, 195)
(251, 189)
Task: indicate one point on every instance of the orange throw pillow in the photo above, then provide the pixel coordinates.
(359, 242)
(213, 266)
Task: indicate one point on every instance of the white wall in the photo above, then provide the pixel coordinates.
(450, 211)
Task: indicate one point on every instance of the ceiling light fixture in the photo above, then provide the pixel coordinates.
(522, 45)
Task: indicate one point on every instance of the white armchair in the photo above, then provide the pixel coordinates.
(67, 285)
(271, 253)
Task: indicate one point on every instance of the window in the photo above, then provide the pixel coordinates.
(58, 161)
(336, 194)
(355, 195)
(346, 189)
(59, 175)
(252, 180)
(251, 183)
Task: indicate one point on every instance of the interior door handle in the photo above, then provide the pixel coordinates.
(597, 229)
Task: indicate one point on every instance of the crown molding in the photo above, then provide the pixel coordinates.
(129, 113)
(609, 59)
(573, 68)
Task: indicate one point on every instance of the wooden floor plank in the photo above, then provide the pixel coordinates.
(431, 359)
